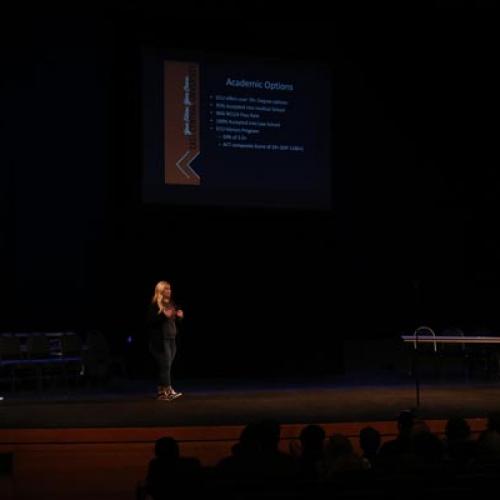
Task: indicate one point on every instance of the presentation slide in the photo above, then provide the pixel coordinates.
(236, 132)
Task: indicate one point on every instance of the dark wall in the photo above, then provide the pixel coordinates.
(56, 152)
(411, 237)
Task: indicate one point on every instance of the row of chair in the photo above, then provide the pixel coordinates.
(39, 356)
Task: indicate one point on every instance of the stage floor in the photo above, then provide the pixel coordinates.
(363, 397)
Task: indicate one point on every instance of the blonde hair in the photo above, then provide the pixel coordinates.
(158, 295)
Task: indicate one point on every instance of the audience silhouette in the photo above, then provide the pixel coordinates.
(256, 455)
(169, 474)
(369, 442)
(460, 449)
(311, 453)
(243, 463)
(488, 443)
(257, 464)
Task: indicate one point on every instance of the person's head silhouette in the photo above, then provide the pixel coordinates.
(166, 448)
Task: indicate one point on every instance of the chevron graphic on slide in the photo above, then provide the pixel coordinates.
(181, 122)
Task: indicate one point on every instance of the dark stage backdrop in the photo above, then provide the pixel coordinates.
(411, 237)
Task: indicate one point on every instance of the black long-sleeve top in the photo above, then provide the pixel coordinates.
(160, 327)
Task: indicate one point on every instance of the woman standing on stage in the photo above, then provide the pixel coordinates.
(163, 316)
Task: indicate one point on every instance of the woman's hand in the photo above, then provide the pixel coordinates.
(179, 313)
(169, 312)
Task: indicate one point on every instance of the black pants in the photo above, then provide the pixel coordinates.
(164, 359)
